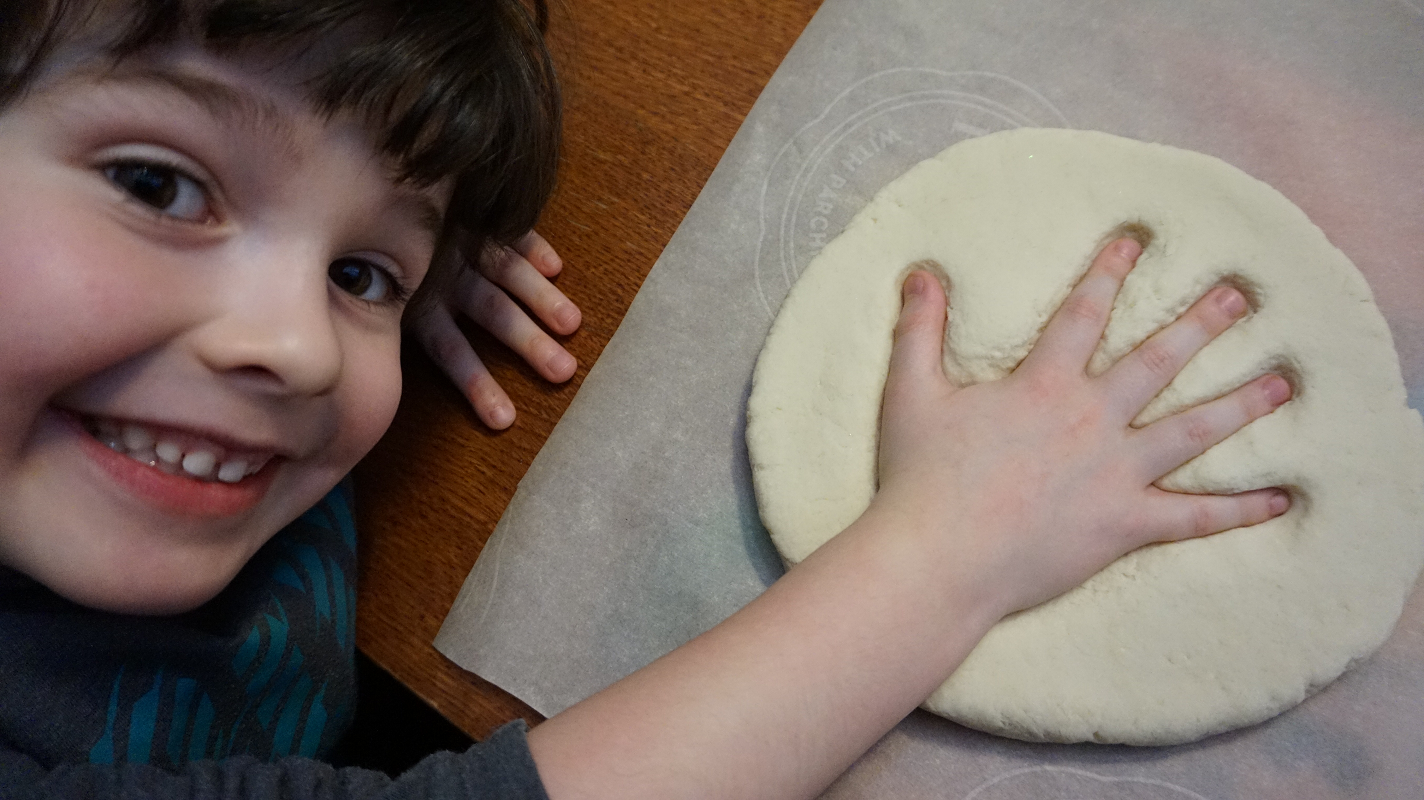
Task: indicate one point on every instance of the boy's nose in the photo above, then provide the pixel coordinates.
(276, 330)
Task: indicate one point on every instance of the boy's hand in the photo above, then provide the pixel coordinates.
(992, 498)
(486, 293)
(1038, 481)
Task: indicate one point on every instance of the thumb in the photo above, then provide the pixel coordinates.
(919, 335)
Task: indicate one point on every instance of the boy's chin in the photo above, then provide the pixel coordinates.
(143, 595)
(150, 599)
(164, 583)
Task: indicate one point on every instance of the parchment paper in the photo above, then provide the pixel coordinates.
(636, 528)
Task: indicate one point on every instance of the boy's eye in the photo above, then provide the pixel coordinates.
(363, 279)
(162, 187)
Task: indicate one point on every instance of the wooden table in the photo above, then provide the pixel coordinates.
(654, 92)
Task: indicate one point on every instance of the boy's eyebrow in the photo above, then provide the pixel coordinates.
(423, 211)
(226, 103)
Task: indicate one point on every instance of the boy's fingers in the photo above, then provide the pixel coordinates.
(919, 333)
(447, 346)
(539, 253)
(1185, 516)
(1172, 442)
(515, 273)
(1076, 327)
(494, 311)
(1140, 375)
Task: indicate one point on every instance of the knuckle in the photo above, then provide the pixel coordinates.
(904, 325)
(537, 343)
(489, 304)
(507, 263)
(1199, 432)
(1158, 359)
(482, 387)
(497, 265)
(1082, 307)
(1044, 386)
(1203, 520)
(912, 319)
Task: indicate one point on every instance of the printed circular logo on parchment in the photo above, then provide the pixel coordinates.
(1064, 783)
(876, 129)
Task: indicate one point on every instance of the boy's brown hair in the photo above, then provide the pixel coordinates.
(460, 89)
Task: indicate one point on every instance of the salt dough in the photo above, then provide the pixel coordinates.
(1172, 642)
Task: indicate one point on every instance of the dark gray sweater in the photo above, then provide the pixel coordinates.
(237, 699)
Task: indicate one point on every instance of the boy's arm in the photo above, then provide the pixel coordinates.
(486, 293)
(992, 499)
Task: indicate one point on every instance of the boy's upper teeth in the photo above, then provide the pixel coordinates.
(168, 452)
(232, 471)
(177, 453)
(137, 437)
(199, 463)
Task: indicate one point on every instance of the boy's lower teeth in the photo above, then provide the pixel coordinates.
(140, 445)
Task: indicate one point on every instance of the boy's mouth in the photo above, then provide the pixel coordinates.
(175, 452)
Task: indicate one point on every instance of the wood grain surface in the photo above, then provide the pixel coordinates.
(654, 92)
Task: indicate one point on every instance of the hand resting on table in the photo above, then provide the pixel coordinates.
(486, 292)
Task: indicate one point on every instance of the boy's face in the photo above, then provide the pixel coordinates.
(199, 320)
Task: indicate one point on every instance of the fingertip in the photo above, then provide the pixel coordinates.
(1119, 257)
(1231, 300)
(567, 317)
(1279, 502)
(560, 366)
(922, 286)
(919, 333)
(1277, 389)
(919, 306)
(498, 415)
(913, 287)
(491, 404)
(541, 254)
(1127, 248)
(549, 262)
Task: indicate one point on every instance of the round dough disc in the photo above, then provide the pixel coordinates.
(1172, 642)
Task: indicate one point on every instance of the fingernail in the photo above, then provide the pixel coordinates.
(566, 314)
(1128, 248)
(1278, 390)
(1231, 301)
(501, 416)
(561, 363)
(914, 285)
(1280, 501)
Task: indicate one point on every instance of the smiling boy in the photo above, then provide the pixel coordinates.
(268, 368)
(212, 218)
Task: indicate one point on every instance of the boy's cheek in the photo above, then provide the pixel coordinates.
(72, 309)
(372, 396)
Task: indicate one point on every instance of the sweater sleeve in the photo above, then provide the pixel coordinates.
(500, 768)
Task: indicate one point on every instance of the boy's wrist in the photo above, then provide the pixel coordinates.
(923, 553)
